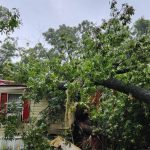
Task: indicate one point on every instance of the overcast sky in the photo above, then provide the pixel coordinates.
(38, 15)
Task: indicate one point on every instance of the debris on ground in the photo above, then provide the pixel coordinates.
(60, 142)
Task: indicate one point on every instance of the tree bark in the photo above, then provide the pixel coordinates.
(112, 83)
(136, 91)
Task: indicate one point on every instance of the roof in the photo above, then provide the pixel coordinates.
(13, 85)
(6, 82)
(10, 87)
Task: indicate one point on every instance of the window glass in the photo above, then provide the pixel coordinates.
(14, 103)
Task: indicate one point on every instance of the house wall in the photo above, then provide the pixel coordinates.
(2, 129)
(37, 108)
(35, 114)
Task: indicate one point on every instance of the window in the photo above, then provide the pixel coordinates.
(14, 103)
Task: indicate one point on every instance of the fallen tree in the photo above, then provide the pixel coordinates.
(136, 91)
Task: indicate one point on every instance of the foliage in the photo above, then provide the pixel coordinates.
(12, 121)
(123, 120)
(8, 50)
(12, 126)
(141, 26)
(103, 52)
(34, 139)
(9, 19)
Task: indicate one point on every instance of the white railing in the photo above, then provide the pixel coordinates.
(14, 144)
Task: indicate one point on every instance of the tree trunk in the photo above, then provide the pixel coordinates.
(137, 92)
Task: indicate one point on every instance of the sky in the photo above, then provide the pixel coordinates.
(39, 15)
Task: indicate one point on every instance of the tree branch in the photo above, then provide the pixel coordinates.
(112, 83)
(137, 92)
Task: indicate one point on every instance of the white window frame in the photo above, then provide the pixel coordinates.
(10, 113)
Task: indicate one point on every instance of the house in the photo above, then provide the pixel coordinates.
(10, 94)
(10, 97)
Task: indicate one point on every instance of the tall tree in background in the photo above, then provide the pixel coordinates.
(9, 20)
(142, 26)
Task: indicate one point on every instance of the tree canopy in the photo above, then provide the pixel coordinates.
(142, 26)
(9, 19)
